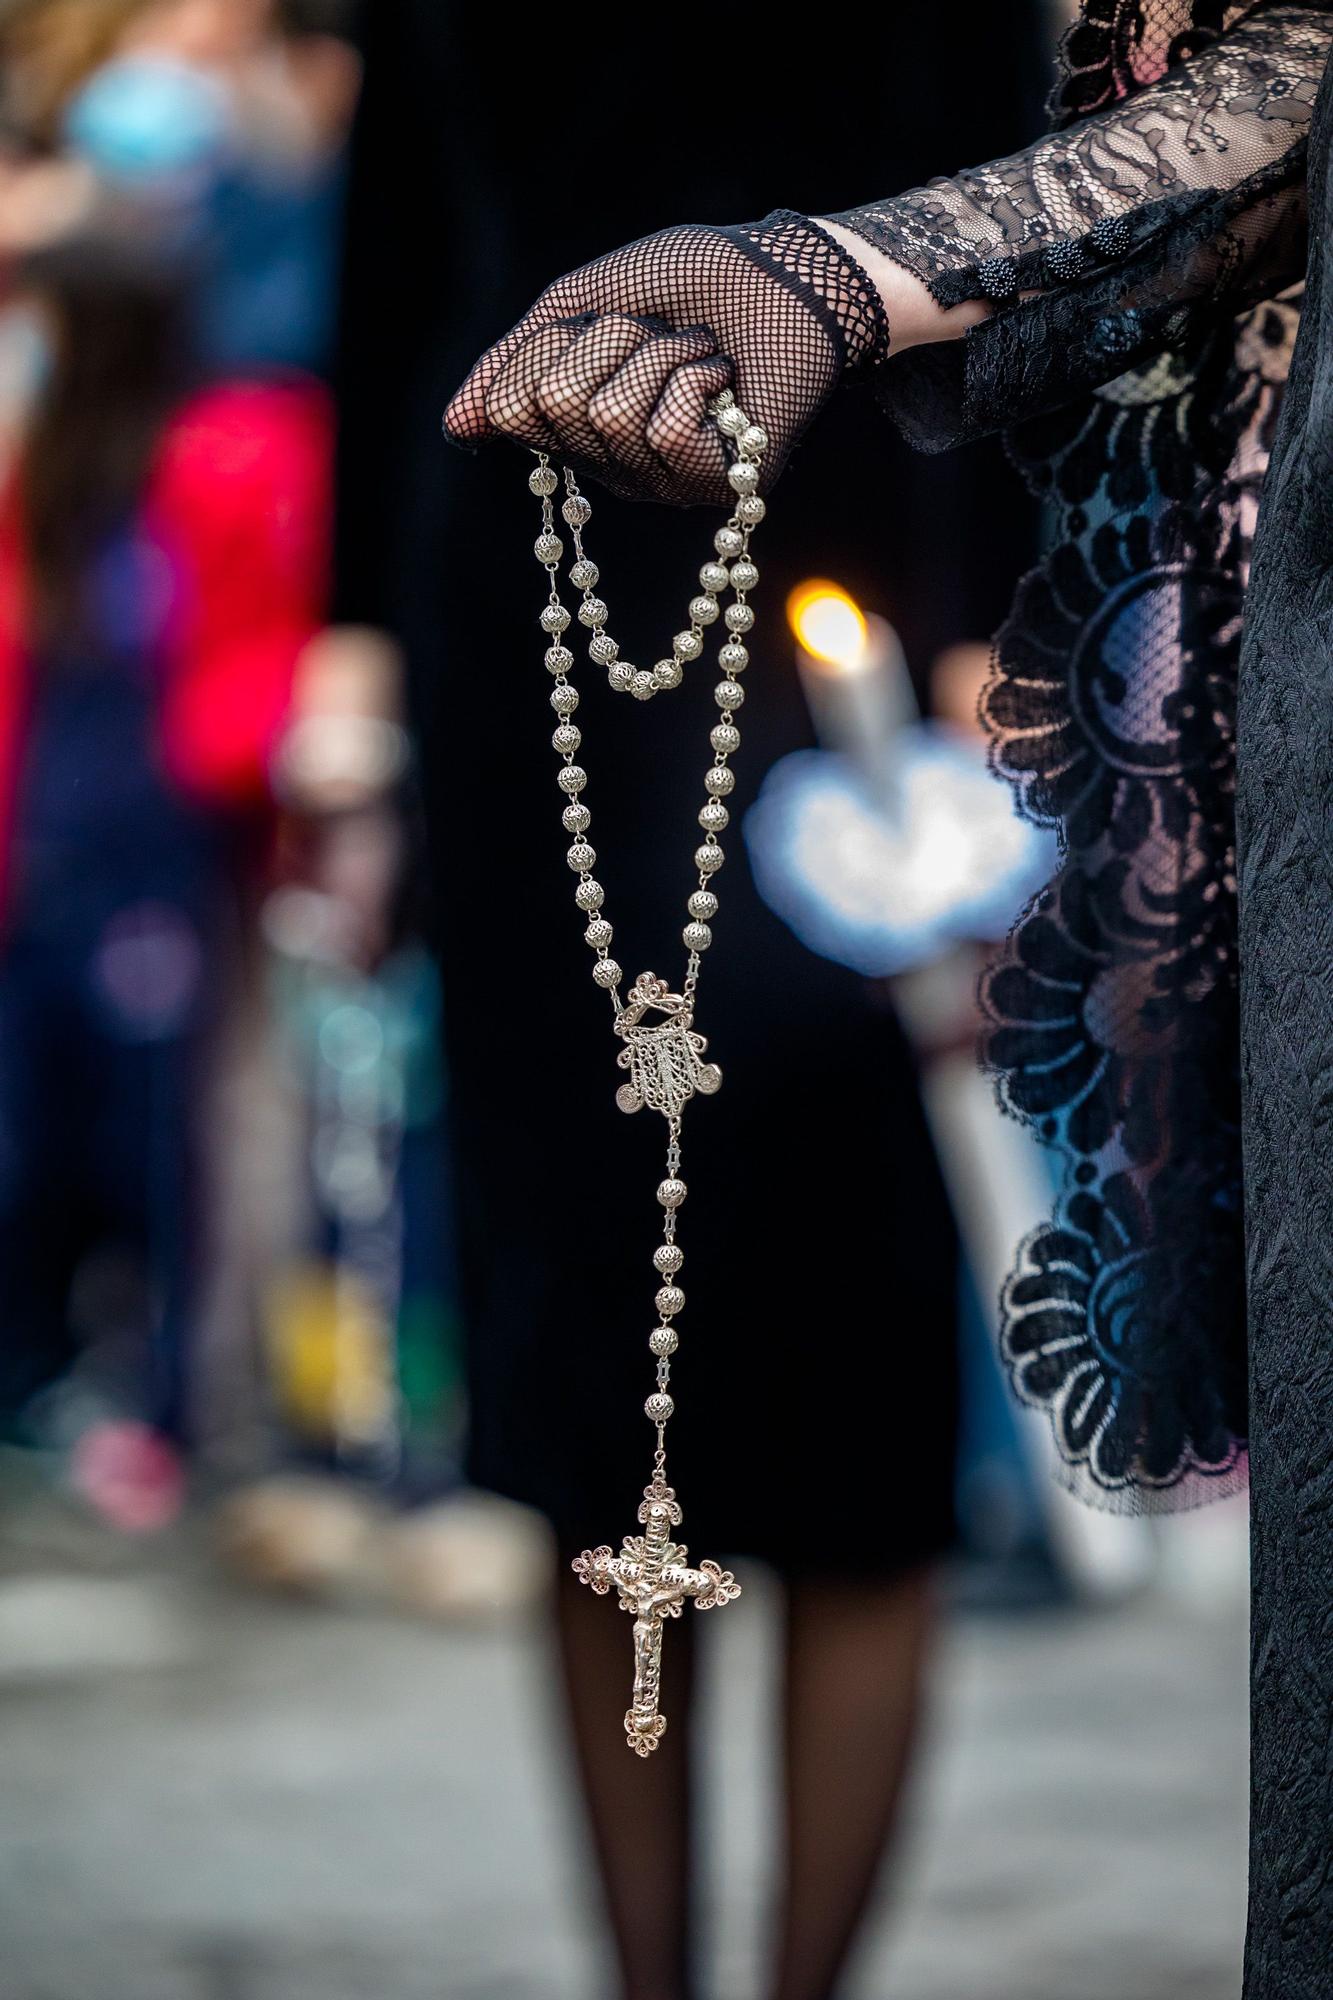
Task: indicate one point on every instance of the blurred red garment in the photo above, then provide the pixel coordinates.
(238, 506)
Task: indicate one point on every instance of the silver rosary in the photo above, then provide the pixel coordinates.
(662, 1054)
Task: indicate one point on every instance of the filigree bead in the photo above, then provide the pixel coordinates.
(576, 819)
(725, 737)
(593, 612)
(668, 1257)
(620, 676)
(542, 481)
(712, 578)
(728, 541)
(687, 645)
(668, 673)
(559, 659)
(708, 858)
(703, 609)
(732, 421)
(576, 511)
(643, 687)
(564, 700)
(742, 477)
(751, 510)
(580, 857)
(658, 1407)
(714, 816)
(602, 649)
(607, 973)
(733, 658)
(753, 439)
(744, 575)
(590, 895)
(669, 1301)
(554, 618)
(584, 575)
(598, 934)
(548, 549)
(739, 617)
(728, 694)
(572, 779)
(671, 1192)
(718, 780)
(702, 904)
(663, 1341)
(696, 937)
(566, 739)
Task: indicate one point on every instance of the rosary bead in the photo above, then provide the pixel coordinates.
(643, 687)
(714, 816)
(542, 481)
(658, 1407)
(602, 649)
(576, 819)
(662, 1341)
(728, 694)
(712, 578)
(564, 699)
(584, 574)
(725, 736)
(751, 510)
(559, 659)
(696, 937)
(754, 439)
(620, 676)
(718, 779)
(581, 857)
(671, 1192)
(742, 477)
(572, 779)
(599, 934)
(670, 1299)
(566, 739)
(590, 895)
(668, 1258)
(728, 541)
(744, 575)
(593, 612)
(703, 609)
(606, 972)
(554, 618)
(702, 904)
(576, 511)
(732, 420)
(668, 673)
(739, 617)
(687, 645)
(548, 548)
(708, 858)
(733, 658)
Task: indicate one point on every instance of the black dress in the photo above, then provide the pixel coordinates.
(1164, 1014)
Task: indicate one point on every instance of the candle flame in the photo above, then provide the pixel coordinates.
(828, 626)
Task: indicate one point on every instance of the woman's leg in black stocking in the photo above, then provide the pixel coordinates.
(855, 1657)
(638, 1807)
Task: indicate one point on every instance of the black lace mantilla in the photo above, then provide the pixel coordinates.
(1142, 263)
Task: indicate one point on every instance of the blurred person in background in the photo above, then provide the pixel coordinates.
(165, 549)
(1121, 295)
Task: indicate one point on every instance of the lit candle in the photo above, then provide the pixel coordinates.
(855, 680)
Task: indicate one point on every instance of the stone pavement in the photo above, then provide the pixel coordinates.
(209, 1797)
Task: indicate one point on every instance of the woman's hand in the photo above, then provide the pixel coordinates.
(614, 367)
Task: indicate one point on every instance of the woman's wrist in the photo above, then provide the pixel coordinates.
(913, 314)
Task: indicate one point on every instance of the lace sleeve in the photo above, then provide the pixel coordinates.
(1113, 239)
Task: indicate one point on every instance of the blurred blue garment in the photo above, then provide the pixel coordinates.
(144, 119)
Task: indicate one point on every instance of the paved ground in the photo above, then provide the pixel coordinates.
(212, 1798)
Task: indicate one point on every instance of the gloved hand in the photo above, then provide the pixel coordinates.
(613, 368)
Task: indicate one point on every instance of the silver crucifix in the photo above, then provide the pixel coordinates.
(653, 1580)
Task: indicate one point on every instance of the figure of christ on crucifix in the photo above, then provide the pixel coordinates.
(653, 1579)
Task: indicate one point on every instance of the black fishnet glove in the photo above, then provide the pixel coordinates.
(613, 369)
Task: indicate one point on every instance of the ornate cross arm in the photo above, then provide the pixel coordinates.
(654, 1580)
